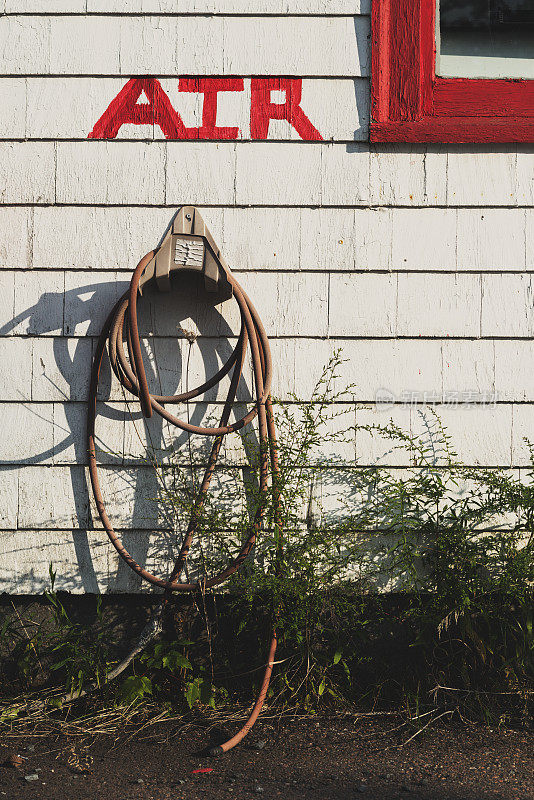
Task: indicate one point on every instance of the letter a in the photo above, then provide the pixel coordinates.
(125, 109)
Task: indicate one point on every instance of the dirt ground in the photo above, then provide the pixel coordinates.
(319, 759)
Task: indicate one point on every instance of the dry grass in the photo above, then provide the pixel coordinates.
(34, 716)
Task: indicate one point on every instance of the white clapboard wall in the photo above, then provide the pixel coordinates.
(417, 261)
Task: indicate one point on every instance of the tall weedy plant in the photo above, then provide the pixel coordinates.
(444, 547)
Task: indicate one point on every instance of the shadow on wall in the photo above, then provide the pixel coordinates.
(186, 337)
(362, 98)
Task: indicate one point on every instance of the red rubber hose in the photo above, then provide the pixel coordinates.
(122, 325)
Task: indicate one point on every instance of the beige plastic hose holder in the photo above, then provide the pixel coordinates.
(188, 245)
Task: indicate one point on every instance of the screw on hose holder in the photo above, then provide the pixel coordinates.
(189, 246)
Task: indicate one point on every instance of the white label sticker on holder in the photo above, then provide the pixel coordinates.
(189, 252)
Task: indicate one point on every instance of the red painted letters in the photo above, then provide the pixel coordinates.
(125, 108)
(210, 87)
(262, 110)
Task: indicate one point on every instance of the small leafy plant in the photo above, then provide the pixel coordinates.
(55, 647)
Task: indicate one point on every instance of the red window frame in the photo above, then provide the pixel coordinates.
(409, 103)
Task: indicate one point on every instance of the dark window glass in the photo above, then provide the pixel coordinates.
(486, 38)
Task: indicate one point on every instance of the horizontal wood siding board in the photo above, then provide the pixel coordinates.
(261, 174)
(120, 467)
(60, 373)
(87, 238)
(313, 305)
(49, 485)
(164, 7)
(190, 45)
(476, 365)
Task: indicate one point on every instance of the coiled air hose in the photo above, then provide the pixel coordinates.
(122, 326)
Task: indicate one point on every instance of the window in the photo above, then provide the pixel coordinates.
(452, 71)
